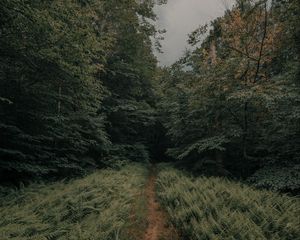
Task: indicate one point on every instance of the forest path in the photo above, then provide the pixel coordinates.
(158, 226)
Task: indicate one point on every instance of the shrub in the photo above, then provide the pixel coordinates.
(285, 179)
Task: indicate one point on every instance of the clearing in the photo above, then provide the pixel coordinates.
(123, 205)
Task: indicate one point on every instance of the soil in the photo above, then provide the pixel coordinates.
(159, 228)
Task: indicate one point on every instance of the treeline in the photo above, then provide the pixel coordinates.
(75, 90)
(80, 89)
(231, 105)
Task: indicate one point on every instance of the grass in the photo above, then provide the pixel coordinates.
(111, 205)
(138, 218)
(95, 207)
(216, 208)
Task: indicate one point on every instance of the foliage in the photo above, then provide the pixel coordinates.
(234, 99)
(80, 89)
(95, 207)
(129, 105)
(74, 84)
(50, 53)
(216, 208)
(286, 178)
(135, 153)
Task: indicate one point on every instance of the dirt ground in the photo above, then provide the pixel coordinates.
(159, 228)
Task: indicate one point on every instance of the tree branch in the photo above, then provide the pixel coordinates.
(242, 53)
(262, 42)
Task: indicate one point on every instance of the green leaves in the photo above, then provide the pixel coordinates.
(216, 208)
(96, 206)
(206, 145)
(75, 79)
(234, 98)
(52, 87)
(5, 100)
(277, 178)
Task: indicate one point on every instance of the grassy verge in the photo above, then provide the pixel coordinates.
(216, 208)
(95, 207)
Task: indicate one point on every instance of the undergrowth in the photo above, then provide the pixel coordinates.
(216, 208)
(95, 207)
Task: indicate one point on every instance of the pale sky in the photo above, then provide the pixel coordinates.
(181, 17)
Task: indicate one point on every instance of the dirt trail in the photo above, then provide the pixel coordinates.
(158, 226)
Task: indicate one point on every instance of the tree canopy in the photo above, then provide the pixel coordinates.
(80, 88)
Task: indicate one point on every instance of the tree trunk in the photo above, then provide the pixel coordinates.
(218, 122)
(59, 100)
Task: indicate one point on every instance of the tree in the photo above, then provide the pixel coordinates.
(74, 84)
(236, 92)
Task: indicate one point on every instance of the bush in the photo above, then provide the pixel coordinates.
(127, 152)
(284, 179)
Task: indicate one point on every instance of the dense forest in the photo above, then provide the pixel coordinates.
(81, 89)
(87, 115)
(76, 89)
(231, 105)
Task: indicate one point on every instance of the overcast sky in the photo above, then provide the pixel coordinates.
(181, 17)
